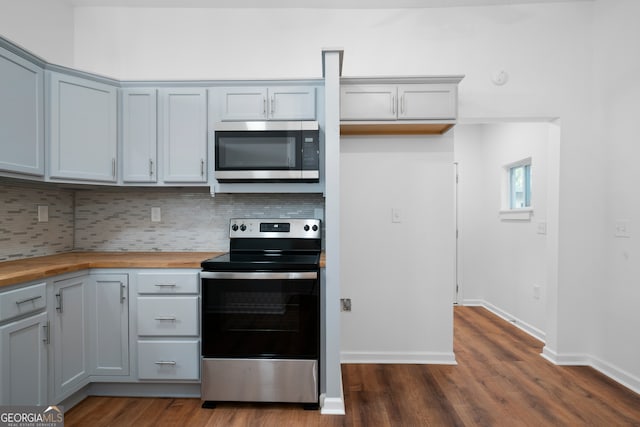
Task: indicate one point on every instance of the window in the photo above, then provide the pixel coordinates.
(520, 186)
(516, 191)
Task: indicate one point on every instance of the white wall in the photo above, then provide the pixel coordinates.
(616, 346)
(399, 276)
(44, 27)
(500, 260)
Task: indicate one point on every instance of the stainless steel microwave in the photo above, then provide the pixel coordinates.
(277, 151)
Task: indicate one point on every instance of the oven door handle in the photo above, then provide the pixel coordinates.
(258, 275)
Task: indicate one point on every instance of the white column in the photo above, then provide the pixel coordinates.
(332, 65)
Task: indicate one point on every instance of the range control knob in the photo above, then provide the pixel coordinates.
(306, 227)
(234, 227)
(314, 228)
(243, 227)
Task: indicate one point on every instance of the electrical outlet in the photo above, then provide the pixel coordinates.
(345, 304)
(396, 215)
(156, 215)
(542, 228)
(43, 213)
(536, 291)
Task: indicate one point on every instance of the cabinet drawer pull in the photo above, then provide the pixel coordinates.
(59, 300)
(151, 168)
(202, 167)
(169, 318)
(28, 300)
(166, 362)
(166, 285)
(47, 334)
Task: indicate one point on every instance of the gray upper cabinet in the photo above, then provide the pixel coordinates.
(83, 129)
(139, 136)
(381, 102)
(267, 103)
(183, 134)
(21, 115)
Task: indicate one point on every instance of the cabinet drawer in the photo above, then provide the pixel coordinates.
(169, 360)
(172, 316)
(22, 301)
(169, 283)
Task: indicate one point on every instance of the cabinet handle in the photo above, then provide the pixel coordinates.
(264, 106)
(169, 318)
(166, 285)
(59, 300)
(202, 168)
(47, 333)
(113, 167)
(151, 167)
(122, 293)
(273, 105)
(28, 300)
(166, 362)
(393, 104)
(402, 104)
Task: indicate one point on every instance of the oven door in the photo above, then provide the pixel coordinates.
(269, 315)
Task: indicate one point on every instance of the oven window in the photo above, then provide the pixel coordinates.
(266, 151)
(260, 318)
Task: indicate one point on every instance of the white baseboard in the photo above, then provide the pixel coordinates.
(333, 406)
(423, 358)
(565, 359)
(575, 359)
(520, 324)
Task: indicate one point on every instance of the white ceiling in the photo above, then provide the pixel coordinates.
(315, 4)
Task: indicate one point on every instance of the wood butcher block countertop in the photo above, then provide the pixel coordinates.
(26, 270)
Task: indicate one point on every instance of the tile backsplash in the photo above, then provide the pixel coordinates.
(190, 219)
(21, 235)
(119, 219)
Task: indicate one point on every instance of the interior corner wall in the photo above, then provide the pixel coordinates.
(615, 348)
(502, 278)
(43, 27)
(397, 271)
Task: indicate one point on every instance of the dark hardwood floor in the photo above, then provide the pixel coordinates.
(500, 380)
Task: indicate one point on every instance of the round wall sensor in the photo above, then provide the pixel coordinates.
(500, 78)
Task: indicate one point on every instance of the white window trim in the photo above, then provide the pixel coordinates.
(506, 213)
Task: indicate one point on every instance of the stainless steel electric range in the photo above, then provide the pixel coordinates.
(261, 314)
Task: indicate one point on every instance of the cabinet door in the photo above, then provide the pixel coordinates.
(139, 139)
(427, 102)
(23, 362)
(292, 103)
(109, 334)
(368, 102)
(70, 337)
(242, 103)
(83, 137)
(21, 115)
(184, 134)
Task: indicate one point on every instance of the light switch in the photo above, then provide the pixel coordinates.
(156, 215)
(43, 213)
(396, 215)
(622, 229)
(542, 228)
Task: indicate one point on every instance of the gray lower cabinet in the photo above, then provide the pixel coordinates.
(82, 129)
(109, 324)
(24, 340)
(21, 115)
(168, 325)
(70, 336)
